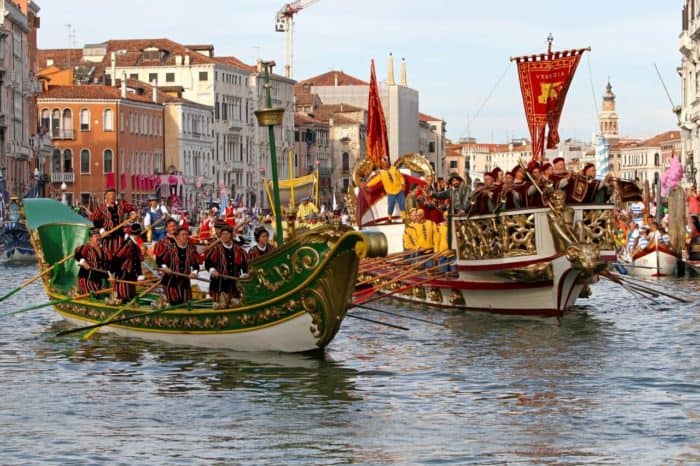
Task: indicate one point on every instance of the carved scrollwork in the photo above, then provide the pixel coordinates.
(496, 237)
(596, 227)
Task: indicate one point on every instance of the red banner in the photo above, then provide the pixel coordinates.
(377, 140)
(544, 82)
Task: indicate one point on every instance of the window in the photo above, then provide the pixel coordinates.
(453, 164)
(346, 185)
(67, 161)
(67, 123)
(108, 117)
(152, 77)
(107, 161)
(56, 160)
(134, 76)
(203, 76)
(431, 147)
(346, 162)
(45, 120)
(55, 122)
(85, 199)
(169, 77)
(84, 161)
(216, 110)
(85, 120)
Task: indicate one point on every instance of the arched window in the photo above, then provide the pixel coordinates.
(67, 123)
(85, 161)
(107, 161)
(346, 162)
(657, 162)
(45, 120)
(55, 123)
(56, 160)
(108, 120)
(85, 120)
(67, 161)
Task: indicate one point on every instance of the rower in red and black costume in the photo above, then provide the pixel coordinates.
(126, 264)
(262, 244)
(225, 258)
(171, 228)
(91, 258)
(107, 216)
(181, 258)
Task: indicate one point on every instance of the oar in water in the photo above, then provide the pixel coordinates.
(90, 333)
(125, 319)
(414, 270)
(402, 316)
(371, 298)
(376, 321)
(35, 277)
(636, 284)
(56, 301)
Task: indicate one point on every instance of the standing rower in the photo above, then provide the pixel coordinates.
(225, 258)
(91, 256)
(262, 244)
(126, 265)
(183, 259)
(107, 216)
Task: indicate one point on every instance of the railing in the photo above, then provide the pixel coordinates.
(63, 134)
(62, 177)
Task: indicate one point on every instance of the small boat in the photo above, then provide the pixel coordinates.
(14, 237)
(657, 260)
(293, 300)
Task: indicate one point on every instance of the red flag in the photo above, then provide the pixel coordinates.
(544, 82)
(109, 180)
(377, 140)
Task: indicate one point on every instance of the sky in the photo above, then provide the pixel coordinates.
(457, 51)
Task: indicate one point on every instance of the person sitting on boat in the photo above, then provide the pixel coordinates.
(126, 264)
(179, 264)
(306, 207)
(457, 193)
(642, 241)
(654, 235)
(226, 261)
(109, 215)
(482, 199)
(153, 216)
(262, 244)
(442, 246)
(393, 183)
(420, 235)
(93, 261)
(410, 242)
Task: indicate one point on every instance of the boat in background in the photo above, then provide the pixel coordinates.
(14, 237)
(657, 260)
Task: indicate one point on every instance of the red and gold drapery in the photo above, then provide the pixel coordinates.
(377, 140)
(544, 82)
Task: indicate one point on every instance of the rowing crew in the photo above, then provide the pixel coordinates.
(177, 259)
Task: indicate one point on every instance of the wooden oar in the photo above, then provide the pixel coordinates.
(635, 284)
(184, 275)
(440, 324)
(409, 274)
(371, 298)
(125, 319)
(375, 321)
(90, 333)
(57, 301)
(36, 277)
(107, 233)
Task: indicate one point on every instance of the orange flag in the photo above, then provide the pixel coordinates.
(377, 140)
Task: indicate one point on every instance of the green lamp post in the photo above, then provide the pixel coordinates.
(270, 117)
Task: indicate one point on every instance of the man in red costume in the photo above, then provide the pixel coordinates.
(90, 256)
(107, 216)
(225, 258)
(262, 244)
(182, 258)
(126, 264)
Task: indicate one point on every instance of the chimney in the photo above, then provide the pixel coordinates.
(123, 85)
(187, 60)
(335, 78)
(155, 90)
(404, 83)
(114, 69)
(390, 78)
(178, 60)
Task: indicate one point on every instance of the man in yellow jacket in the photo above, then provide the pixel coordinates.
(393, 183)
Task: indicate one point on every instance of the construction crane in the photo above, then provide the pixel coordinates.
(284, 22)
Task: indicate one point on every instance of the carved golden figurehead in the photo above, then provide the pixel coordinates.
(416, 163)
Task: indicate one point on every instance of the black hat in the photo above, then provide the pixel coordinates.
(135, 229)
(224, 227)
(259, 231)
(454, 175)
(94, 231)
(153, 197)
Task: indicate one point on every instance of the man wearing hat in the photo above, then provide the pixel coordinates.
(456, 192)
(126, 264)
(262, 244)
(560, 176)
(225, 261)
(306, 207)
(153, 217)
(183, 259)
(107, 216)
(91, 258)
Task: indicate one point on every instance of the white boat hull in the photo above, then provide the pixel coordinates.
(654, 264)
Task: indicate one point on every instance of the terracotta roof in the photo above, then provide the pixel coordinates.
(452, 153)
(301, 119)
(305, 98)
(147, 91)
(339, 108)
(60, 57)
(92, 91)
(339, 119)
(333, 78)
(662, 138)
(238, 63)
(426, 117)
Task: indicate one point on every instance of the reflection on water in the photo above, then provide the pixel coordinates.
(612, 382)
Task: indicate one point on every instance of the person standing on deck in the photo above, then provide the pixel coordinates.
(91, 256)
(262, 244)
(393, 183)
(229, 259)
(181, 258)
(171, 228)
(153, 217)
(126, 265)
(107, 216)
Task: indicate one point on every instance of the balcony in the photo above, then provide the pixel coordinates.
(63, 134)
(62, 177)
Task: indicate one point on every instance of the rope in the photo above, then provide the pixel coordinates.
(490, 94)
(590, 77)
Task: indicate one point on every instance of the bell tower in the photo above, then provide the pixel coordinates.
(608, 118)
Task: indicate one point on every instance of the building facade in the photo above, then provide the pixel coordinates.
(21, 148)
(689, 71)
(312, 153)
(431, 141)
(103, 137)
(647, 160)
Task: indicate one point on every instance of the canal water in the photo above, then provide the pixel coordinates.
(614, 382)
